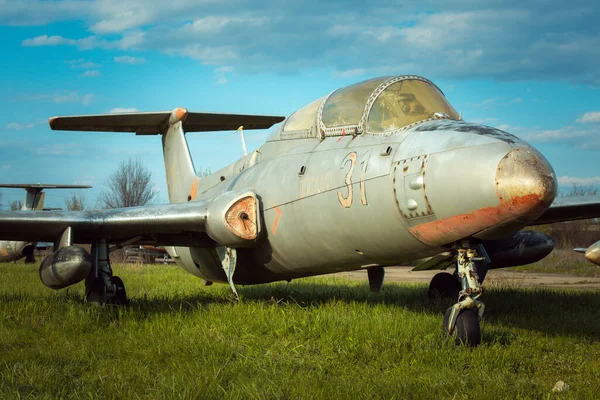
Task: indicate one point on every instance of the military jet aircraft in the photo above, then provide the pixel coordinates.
(592, 253)
(34, 200)
(371, 175)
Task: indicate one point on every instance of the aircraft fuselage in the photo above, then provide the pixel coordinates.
(345, 203)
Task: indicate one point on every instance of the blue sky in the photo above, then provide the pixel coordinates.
(530, 68)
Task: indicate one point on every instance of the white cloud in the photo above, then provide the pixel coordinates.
(82, 64)
(59, 149)
(60, 97)
(220, 77)
(129, 60)
(17, 126)
(486, 121)
(45, 40)
(7, 166)
(91, 73)
(127, 41)
(571, 180)
(590, 117)
(563, 133)
(517, 100)
(349, 73)
(123, 110)
(87, 99)
(486, 103)
(497, 39)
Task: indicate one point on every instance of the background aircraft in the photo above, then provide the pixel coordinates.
(34, 200)
(371, 175)
(592, 253)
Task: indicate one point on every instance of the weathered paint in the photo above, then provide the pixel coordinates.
(276, 222)
(450, 229)
(193, 190)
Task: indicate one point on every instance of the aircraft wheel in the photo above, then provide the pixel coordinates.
(443, 285)
(120, 297)
(466, 329)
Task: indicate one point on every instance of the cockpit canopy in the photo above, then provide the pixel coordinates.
(376, 106)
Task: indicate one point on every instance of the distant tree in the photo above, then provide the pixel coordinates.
(75, 203)
(203, 172)
(581, 190)
(129, 186)
(16, 205)
(578, 233)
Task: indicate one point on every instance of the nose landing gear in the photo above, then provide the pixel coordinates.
(462, 319)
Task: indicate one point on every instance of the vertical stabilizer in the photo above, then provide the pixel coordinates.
(182, 181)
(34, 199)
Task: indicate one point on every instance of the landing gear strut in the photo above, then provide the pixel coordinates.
(462, 319)
(100, 285)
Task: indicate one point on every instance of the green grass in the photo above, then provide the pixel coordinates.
(563, 261)
(314, 338)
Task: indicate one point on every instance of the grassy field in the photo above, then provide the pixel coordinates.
(314, 338)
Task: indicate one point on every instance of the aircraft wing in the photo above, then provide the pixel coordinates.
(154, 123)
(570, 209)
(230, 219)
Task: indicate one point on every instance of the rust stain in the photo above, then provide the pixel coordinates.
(194, 189)
(3, 251)
(450, 229)
(276, 222)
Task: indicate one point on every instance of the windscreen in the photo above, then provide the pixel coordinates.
(346, 106)
(404, 103)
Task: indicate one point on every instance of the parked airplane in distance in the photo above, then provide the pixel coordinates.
(372, 175)
(11, 250)
(592, 253)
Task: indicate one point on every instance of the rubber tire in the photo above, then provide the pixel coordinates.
(120, 297)
(466, 330)
(443, 285)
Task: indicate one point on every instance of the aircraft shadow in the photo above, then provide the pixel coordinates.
(553, 312)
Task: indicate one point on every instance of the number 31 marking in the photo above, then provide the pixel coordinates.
(346, 201)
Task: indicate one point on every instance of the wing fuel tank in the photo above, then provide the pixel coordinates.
(65, 267)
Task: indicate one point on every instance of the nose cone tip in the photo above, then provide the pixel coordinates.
(593, 253)
(526, 182)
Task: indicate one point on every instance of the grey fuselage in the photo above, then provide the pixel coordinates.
(347, 202)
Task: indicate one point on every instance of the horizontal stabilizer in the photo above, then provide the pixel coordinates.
(153, 123)
(41, 186)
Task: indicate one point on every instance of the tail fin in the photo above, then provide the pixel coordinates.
(182, 181)
(181, 176)
(35, 197)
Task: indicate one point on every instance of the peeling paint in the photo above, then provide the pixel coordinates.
(450, 229)
(276, 222)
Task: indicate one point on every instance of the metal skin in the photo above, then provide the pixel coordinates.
(350, 208)
(319, 199)
(12, 250)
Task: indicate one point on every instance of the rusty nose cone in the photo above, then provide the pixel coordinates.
(525, 183)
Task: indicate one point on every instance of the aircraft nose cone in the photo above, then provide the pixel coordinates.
(525, 182)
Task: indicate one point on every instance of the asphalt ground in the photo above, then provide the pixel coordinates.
(494, 278)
